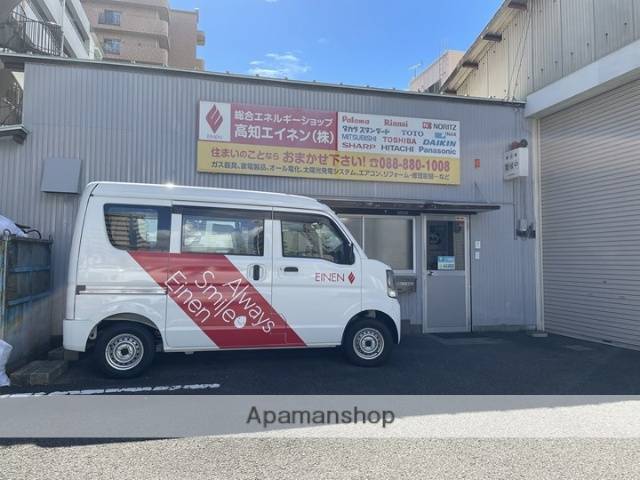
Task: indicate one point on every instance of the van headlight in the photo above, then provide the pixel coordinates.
(391, 284)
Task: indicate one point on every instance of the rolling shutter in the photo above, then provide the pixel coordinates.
(590, 192)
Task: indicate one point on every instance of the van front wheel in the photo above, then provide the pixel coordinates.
(124, 350)
(368, 343)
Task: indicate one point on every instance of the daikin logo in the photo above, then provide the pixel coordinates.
(214, 119)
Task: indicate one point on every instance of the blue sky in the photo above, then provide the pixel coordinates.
(358, 42)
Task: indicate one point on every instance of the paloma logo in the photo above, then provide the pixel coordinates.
(214, 119)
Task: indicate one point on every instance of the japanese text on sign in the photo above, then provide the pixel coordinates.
(260, 140)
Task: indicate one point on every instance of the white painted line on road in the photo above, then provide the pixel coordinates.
(107, 391)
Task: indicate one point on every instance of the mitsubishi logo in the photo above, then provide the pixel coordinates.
(352, 278)
(214, 119)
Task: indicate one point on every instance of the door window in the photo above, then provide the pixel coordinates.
(225, 232)
(138, 227)
(445, 245)
(313, 236)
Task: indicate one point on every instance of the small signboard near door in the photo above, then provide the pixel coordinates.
(446, 263)
(446, 273)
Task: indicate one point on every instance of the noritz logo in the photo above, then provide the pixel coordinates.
(214, 119)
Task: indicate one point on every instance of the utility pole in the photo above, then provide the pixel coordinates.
(64, 12)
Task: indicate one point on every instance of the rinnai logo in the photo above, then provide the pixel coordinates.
(214, 119)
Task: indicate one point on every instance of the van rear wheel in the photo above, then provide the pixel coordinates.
(368, 343)
(124, 350)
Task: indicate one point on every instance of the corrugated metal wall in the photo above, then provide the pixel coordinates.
(590, 218)
(550, 40)
(134, 124)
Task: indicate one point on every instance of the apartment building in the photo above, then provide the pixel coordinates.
(46, 27)
(146, 31)
(38, 27)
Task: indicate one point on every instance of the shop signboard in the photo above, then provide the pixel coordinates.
(446, 263)
(277, 141)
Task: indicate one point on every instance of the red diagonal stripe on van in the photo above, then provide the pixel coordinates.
(217, 297)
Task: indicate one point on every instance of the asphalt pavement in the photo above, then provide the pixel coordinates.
(210, 458)
(489, 363)
(474, 364)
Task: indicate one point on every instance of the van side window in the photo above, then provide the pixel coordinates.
(313, 236)
(138, 227)
(225, 232)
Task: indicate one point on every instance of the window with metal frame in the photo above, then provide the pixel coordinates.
(112, 46)
(110, 17)
(389, 239)
(313, 236)
(11, 95)
(222, 231)
(138, 227)
(446, 245)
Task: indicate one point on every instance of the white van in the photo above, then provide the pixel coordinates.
(183, 269)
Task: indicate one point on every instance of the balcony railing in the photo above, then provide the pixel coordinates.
(22, 34)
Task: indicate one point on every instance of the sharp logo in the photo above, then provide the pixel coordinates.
(214, 119)
(352, 278)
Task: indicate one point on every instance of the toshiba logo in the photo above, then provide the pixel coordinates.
(214, 119)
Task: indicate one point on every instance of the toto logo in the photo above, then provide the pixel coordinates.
(214, 119)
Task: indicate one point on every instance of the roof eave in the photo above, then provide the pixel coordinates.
(502, 17)
(17, 58)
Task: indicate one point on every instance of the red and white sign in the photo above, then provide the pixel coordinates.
(269, 126)
(215, 124)
(289, 127)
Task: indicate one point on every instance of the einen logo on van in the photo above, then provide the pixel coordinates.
(334, 277)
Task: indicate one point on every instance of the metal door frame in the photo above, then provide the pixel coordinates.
(467, 276)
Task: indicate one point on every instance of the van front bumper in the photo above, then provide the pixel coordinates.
(75, 334)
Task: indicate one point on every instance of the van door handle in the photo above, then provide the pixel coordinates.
(290, 269)
(256, 272)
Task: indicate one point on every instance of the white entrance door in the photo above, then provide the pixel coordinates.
(446, 278)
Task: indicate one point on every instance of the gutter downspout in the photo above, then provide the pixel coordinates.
(64, 14)
(537, 208)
